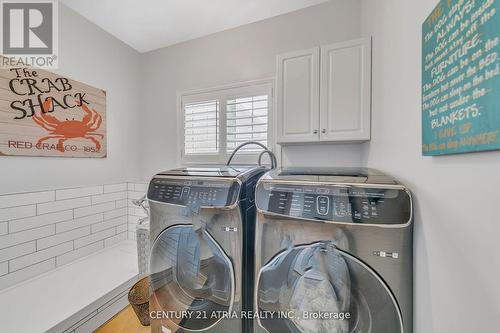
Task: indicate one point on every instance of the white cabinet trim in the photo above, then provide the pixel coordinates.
(311, 134)
(362, 131)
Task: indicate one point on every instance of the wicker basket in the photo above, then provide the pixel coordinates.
(138, 297)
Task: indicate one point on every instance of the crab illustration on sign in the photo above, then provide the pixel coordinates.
(69, 129)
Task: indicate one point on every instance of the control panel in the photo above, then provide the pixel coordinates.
(193, 192)
(333, 203)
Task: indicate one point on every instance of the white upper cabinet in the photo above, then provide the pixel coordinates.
(324, 93)
(345, 91)
(298, 96)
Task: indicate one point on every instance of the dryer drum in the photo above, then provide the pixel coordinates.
(320, 289)
(190, 272)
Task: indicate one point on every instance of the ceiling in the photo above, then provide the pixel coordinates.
(146, 25)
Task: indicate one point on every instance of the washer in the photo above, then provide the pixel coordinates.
(201, 262)
(333, 252)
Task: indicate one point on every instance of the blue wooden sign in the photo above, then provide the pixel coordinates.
(461, 77)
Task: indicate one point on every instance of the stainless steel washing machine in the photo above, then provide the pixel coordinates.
(333, 252)
(202, 224)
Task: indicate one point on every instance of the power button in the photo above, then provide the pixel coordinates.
(322, 204)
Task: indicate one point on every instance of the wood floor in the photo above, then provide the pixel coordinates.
(124, 322)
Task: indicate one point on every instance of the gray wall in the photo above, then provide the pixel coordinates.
(457, 229)
(236, 55)
(90, 55)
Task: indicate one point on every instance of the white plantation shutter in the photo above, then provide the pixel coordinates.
(216, 121)
(201, 128)
(247, 120)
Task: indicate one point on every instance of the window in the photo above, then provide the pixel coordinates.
(247, 120)
(215, 122)
(201, 127)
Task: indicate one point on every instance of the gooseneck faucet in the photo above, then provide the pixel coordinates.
(272, 157)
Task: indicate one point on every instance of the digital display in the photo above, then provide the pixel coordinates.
(192, 192)
(342, 204)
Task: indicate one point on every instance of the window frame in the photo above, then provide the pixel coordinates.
(223, 94)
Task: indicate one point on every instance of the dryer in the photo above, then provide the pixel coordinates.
(202, 224)
(333, 252)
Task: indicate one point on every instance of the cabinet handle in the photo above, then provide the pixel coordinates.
(315, 132)
(323, 131)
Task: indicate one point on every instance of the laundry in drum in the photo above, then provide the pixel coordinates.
(306, 281)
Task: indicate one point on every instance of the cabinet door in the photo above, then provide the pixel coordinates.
(345, 91)
(298, 96)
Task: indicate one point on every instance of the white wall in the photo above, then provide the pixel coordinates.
(323, 155)
(457, 200)
(240, 54)
(90, 55)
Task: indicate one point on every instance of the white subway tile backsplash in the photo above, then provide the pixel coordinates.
(26, 236)
(141, 187)
(33, 258)
(78, 222)
(17, 212)
(115, 188)
(115, 239)
(65, 258)
(97, 199)
(80, 242)
(55, 206)
(44, 229)
(115, 213)
(138, 212)
(109, 224)
(121, 203)
(132, 235)
(94, 209)
(61, 238)
(4, 268)
(4, 228)
(17, 251)
(121, 228)
(132, 219)
(27, 273)
(71, 193)
(133, 195)
(39, 221)
(131, 228)
(22, 199)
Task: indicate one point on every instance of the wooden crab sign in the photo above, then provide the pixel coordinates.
(69, 129)
(45, 114)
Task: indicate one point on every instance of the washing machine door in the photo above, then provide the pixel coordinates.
(192, 279)
(318, 288)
